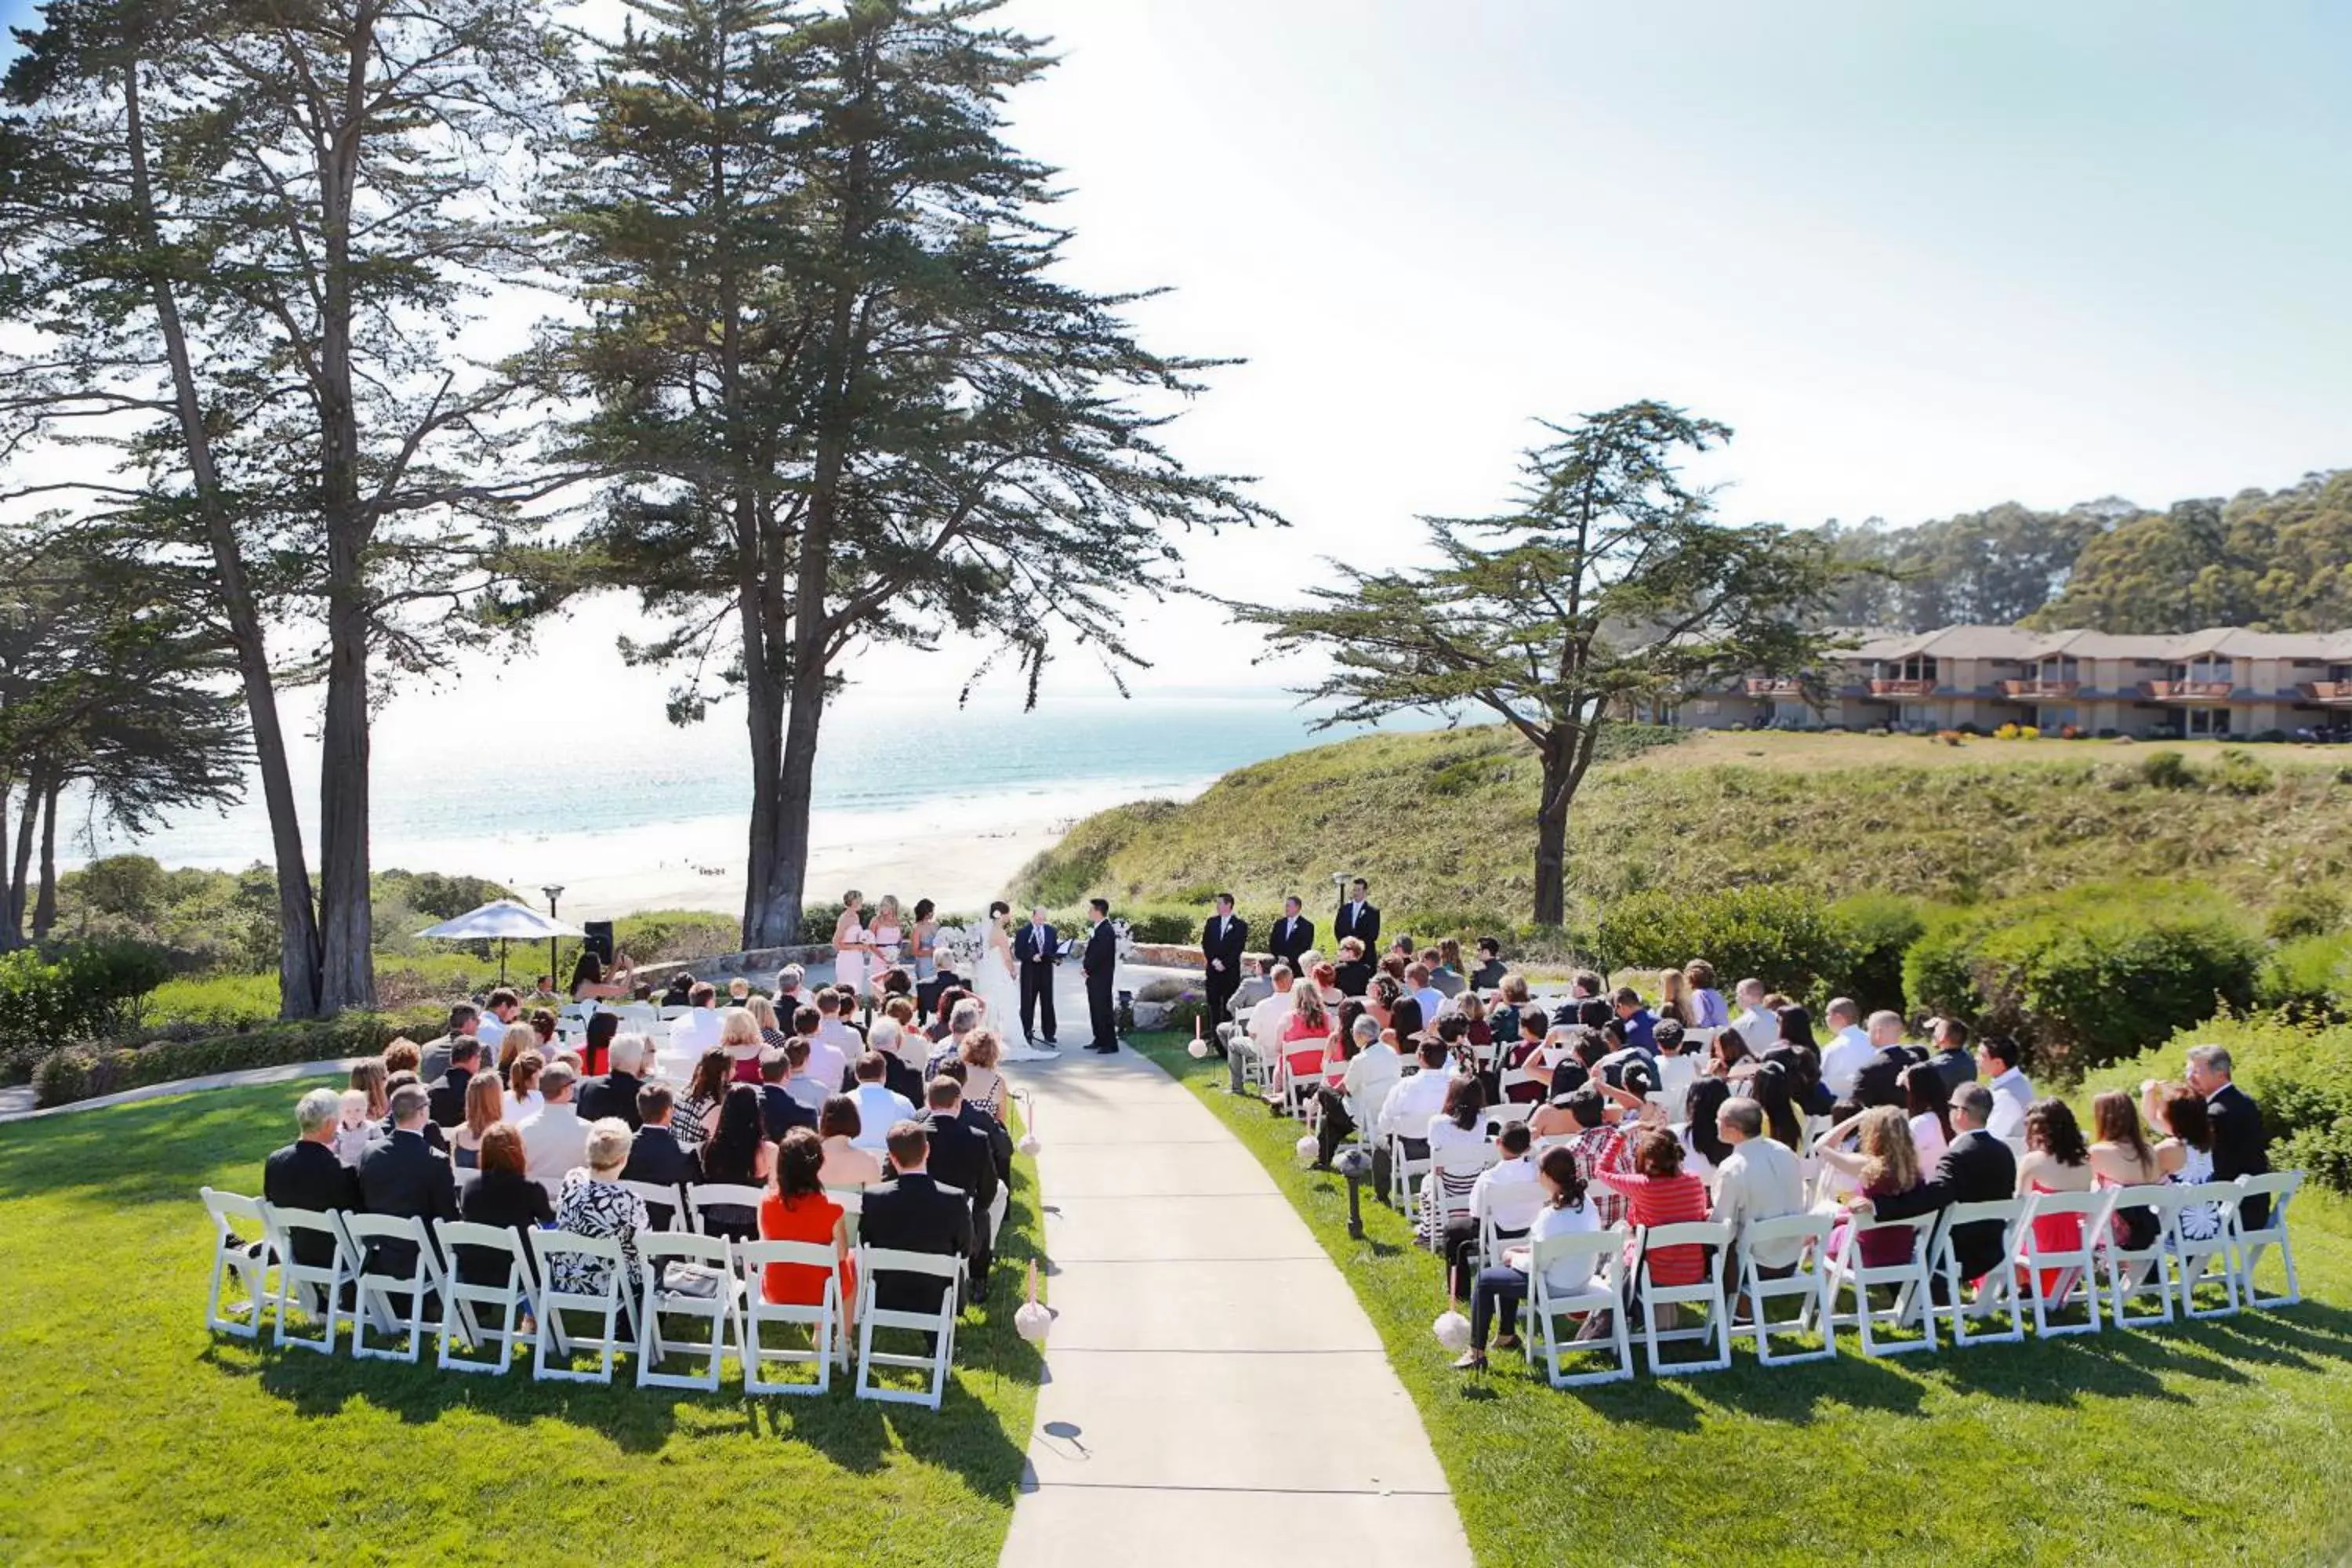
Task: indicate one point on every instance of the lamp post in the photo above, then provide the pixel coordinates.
(553, 891)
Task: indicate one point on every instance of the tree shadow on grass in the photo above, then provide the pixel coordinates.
(153, 1151)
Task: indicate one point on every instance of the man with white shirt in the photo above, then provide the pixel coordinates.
(1417, 985)
(501, 1009)
(696, 1030)
(2012, 1092)
(833, 1011)
(554, 1139)
(1507, 1192)
(827, 1063)
(1406, 1112)
(1267, 1022)
(1761, 1029)
(799, 1082)
(1759, 1180)
(879, 1110)
(1371, 1072)
(1849, 1049)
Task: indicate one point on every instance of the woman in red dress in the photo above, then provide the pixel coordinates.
(797, 1209)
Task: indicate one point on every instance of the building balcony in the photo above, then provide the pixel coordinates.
(1902, 688)
(2190, 691)
(2041, 690)
(1774, 685)
(2335, 693)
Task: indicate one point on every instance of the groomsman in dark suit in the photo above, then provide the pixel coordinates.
(1036, 949)
(1222, 938)
(1099, 964)
(1292, 936)
(1358, 917)
(2242, 1144)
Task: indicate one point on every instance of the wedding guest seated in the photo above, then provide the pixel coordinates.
(792, 988)
(1885, 1165)
(1976, 1168)
(1769, 1087)
(590, 983)
(1000, 1136)
(447, 1093)
(962, 1156)
(596, 1052)
(1727, 1055)
(1511, 1004)
(805, 1087)
(615, 1094)
(1443, 962)
(1405, 1114)
(434, 1139)
(404, 1056)
(2057, 1160)
(1501, 1287)
(656, 1156)
(1507, 1193)
(798, 1209)
(739, 1036)
(1637, 1019)
(1880, 1080)
(1263, 1036)
(1583, 987)
(1951, 1056)
(878, 1108)
(983, 1086)
(847, 1164)
(1657, 1191)
(698, 1108)
(1708, 1010)
(696, 1030)
(1926, 1100)
(403, 1176)
(485, 1105)
(1756, 1178)
(2121, 1156)
(679, 992)
(909, 1213)
(838, 1043)
(1355, 971)
(737, 1153)
(1459, 1128)
(1370, 1073)
(962, 1019)
(943, 1014)
(523, 1096)
(900, 1076)
(1490, 972)
(1325, 978)
(553, 1136)
(306, 1175)
(1417, 987)
(780, 1110)
(1997, 1059)
(1677, 1069)
(1533, 1029)
(505, 1197)
(1704, 1148)
(1758, 1025)
(1849, 1049)
(593, 1203)
(2184, 1149)
(1305, 1033)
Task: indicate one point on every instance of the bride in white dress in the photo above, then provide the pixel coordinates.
(997, 984)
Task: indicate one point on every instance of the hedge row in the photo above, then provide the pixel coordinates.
(76, 991)
(1792, 941)
(2300, 1073)
(85, 1072)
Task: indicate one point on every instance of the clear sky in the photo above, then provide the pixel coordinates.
(1922, 257)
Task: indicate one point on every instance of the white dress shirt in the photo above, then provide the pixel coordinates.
(491, 1031)
(554, 1139)
(1844, 1059)
(1760, 1029)
(827, 1061)
(1509, 1194)
(1371, 1073)
(1414, 1100)
(1760, 1178)
(694, 1031)
(878, 1108)
(2012, 1093)
(1267, 1019)
(1433, 1002)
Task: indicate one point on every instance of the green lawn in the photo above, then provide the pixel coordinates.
(2219, 1442)
(130, 1434)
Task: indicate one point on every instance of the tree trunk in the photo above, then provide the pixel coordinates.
(9, 937)
(794, 783)
(1551, 839)
(347, 971)
(45, 908)
(297, 952)
(21, 863)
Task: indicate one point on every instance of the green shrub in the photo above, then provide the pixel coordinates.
(1876, 930)
(85, 1072)
(2167, 770)
(2087, 975)
(2237, 772)
(81, 991)
(2300, 1074)
(2309, 977)
(2307, 911)
(1784, 937)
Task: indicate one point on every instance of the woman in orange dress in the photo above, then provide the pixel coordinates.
(796, 1209)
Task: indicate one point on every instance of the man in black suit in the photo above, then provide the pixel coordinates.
(2242, 1144)
(1292, 937)
(403, 1176)
(305, 1174)
(1952, 1056)
(1036, 951)
(1100, 962)
(1977, 1167)
(912, 1213)
(962, 1156)
(614, 1093)
(1359, 919)
(655, 1153)
(1223, 937)
(447, 1095)
(780, 1110)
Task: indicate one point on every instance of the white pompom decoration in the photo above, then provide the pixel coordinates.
(1033, 1321)
(1453, 1330)
(1199, 1048)
(1308, 1148)
(1029, 1144)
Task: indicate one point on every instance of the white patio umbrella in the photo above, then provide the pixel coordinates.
(504, 918)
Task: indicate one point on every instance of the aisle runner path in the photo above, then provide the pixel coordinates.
(1214, 1394)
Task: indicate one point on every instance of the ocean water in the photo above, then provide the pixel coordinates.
(637, 796)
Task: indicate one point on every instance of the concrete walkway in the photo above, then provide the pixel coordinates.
(1214, 1394)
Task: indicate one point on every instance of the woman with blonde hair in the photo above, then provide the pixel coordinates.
(764, 1014)
(371, 1077)
(982, 1085)
(1885, 1163)
(522, 1085)
(851, 952)
(887, 932)
(485, 1105)
(1675, 999)
(739, 1036)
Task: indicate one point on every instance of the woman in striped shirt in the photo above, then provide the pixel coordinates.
(1658, 1190)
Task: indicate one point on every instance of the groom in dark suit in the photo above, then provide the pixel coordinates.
(1101, 960)
(1222, 938)
(1036, 949)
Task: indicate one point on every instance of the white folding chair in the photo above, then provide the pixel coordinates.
(243, 1258)
(1996, 1291)
(1808, 1284)
(299, 1284)
(704, 1287)
(703, 1197)
(1512, 1078)
(2218, 1257)
(1403, 1173)
(1497, 1117)
(2134, 1272)
(828, 1338)
(2069, 1269)
(1510, 1213)
(940, 1324)
(1907, 1279)
(462, 1320)
(1453, 1175)
(379, 1288)
(2280, 1186)
(1706, 1293)
(1599, 1256)
(852, 1207)
(615, 1306)
(660, 1200)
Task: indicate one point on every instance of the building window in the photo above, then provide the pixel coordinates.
(2209, 720)
(2059, 669)
(2208, 668)
(2050, 719)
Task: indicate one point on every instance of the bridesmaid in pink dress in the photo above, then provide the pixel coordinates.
(850, 946)
(2057, 1160)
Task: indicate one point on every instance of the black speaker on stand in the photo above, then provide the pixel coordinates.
(599, 941)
